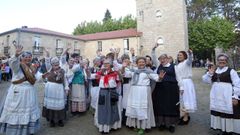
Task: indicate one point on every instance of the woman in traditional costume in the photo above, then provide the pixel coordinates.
(56, 89)
(187, 91)
(107, 114)
(20, 112)
(224, 96)
(166, 95)
(78, 93)
(139, 109)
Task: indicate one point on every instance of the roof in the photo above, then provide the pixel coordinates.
(111, 35)
(41, 31)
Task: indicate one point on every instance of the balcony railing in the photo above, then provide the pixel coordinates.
(36, 50)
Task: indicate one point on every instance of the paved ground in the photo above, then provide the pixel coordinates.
(83, 125)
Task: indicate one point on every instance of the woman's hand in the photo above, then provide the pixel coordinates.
(162, 74)
(211, 70)
(19, 49)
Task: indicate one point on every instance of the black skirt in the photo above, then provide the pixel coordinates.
(54, 115)
(165, 97)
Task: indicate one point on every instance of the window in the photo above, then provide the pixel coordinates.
(59, 47)
(158, 14)
(99, 45)
(37, 50)
(76, 47)
(141, 15)
(126, 44)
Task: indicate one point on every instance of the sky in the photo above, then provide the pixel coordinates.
(59, 15)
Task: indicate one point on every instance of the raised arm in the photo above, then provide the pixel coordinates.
(15, 60)
(154, 57)
(47, 59)
(190, 57)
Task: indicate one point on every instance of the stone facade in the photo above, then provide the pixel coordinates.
(35, 42)
(162, 18)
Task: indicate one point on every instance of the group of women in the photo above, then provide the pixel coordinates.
(122, 93)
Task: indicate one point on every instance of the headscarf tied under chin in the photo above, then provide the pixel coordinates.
(137, 73)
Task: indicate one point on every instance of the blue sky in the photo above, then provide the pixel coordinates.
(59, 15)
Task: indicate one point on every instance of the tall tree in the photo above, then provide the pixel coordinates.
(107, 16)
(206, 35)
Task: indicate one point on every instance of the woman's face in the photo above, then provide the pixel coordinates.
(107, 66)
(141, 63)
(180, 57)
(27, 59)
(148, 61)
(222, 61)
(127, 61)
(163, 60)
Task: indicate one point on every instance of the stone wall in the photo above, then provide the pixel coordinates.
(166, 19)
(92, 46)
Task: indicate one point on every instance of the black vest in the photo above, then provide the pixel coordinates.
(170, 75)
(223, 77)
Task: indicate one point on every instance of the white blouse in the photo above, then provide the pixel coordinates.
(207, 78)
(183, 70)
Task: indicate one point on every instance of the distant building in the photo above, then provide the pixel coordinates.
(34, 39)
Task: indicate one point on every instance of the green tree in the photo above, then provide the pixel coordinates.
(206, 35)
(107, 16)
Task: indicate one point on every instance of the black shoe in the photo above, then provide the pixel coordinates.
(226, 133)
(60, 123)
(52, 124)
(171, 129)
(182, 122)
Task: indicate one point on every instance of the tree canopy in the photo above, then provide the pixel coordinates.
(107, 24)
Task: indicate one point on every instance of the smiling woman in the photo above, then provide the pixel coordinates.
(224, 96)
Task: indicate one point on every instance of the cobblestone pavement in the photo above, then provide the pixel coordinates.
(83, 125)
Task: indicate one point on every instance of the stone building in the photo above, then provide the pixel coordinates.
(165, 20)
(34, 39)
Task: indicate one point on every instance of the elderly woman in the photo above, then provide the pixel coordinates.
(166, 95)
(20, 113)
(224, 96)
(107, 114)
(187, 91)
(78, 93)
(54, 96)
(139, 110)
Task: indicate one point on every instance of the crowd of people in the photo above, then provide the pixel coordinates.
(137, 92)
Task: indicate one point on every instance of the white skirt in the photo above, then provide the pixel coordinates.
(221, 97)
(54, 96)
(189, 102)
(94, 96)
(225, 124)
(139, 110)
(126, 89)
(21, 105)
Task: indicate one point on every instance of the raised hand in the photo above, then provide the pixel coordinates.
(155, 46)
(19, 49)
(47, 52)
(117, 50)
(190, 51)
(162, 74)
(211, 69)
